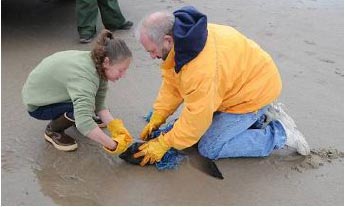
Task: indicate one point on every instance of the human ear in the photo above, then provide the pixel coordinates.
(106, 62)
(168, 40)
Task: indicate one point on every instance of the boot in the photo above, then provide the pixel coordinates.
(99, 122)
(55, 133)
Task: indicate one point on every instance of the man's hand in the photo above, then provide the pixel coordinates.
(153, 150)
(155, 122)
(120, 135)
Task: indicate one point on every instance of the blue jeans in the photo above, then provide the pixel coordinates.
(53, 111)
(241, 135)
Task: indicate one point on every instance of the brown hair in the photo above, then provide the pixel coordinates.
(109, 46)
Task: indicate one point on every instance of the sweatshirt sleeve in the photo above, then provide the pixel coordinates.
(197, 114)
(169, 98)
(100, 96)
(83, 92)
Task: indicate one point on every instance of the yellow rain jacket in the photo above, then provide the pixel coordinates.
(231, 74)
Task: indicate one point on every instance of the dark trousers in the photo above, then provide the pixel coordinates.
(87, 11)
(53, 111)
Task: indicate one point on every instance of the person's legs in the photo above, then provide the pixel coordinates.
(61, 116)
(111, 14)
(53, 111)
(87, 11)
(55, 133)
(241, 135)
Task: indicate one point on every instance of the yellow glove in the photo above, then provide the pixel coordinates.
(155, 122)
(120, 135)
(123, 143)
(153, 150)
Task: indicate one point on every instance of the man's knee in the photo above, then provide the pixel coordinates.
(207, 150)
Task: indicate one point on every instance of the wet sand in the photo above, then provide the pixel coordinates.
(305, 38)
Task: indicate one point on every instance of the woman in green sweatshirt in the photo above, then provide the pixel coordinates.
(69, 87)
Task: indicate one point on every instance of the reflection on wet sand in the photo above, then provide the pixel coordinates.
(89, 176)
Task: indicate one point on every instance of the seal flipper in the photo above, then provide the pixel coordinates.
(213, 170)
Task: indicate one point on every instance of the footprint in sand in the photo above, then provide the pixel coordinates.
(326, 60)
(339, 72)
(309, 42)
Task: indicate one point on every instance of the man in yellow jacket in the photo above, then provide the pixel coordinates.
(227, 84)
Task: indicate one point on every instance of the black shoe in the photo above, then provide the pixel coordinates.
(86, 38)
(99, 122)
(127, 25)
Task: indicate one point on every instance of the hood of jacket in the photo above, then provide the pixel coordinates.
(190, 35)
